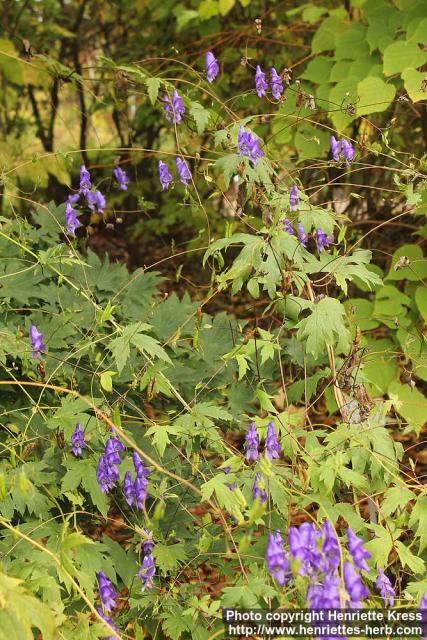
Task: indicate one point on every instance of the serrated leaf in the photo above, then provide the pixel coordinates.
(324, 326)
(201, 116)
(419, 515)
(153, 86)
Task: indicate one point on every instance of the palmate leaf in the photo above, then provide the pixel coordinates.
(419, 516)
(120, 347)
(324, 326)
(345, 268)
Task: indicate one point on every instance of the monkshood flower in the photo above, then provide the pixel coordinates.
(36, 342)
(294, 198)
(78, 441)
(423, 610)
(148, 543)
(341, 149)
(287, 226)
(384, 585)
(354, 585)
(107, 594)
(251, 443)
(107, 475)
(273, 448)
(277, 562)
(164, 175)
(140, 468)
(147, 572)
(330, 547)
(322, 240)
(325, 594)
(183, 171)
(260, 82)
(109, 621)
(335, 148)
(276, 84)
(347, 151)
(357, 551)
(129, 488)
(212, 67)
(303, 546)
(85, 183)
(71, 220)
(122, 178)
(95, 201)
(302, 236)
(141, 492)
(174, 108)
(423, 601)
(249, 146)
(257, 491)
(112, 450)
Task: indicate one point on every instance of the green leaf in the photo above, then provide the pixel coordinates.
(201, 116)
(374, 95)
(153, 86)
(408, 559)
(401, 55)
(396, 498)
(325, 36)
(324, 326)
(107, 380)
(380, 546)
(208, 9)
(410, 403)
(225, 6)
(421, 300)
(168, 557)
(419, 515)
(416, 268)
(414, 82)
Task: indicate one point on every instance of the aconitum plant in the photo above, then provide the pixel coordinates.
(174, 108)
(37, 343)
(212, 66)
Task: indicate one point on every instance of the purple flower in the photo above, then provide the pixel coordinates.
(273, 448)
(322, 240)
(107, 594)
(77, 441)
(146, 572)
(212, 67)
(330, 547)
(71, 220)
(183, 171)
(276, 84)
(251, 443)
(287, 226)
(109, 621)
(107, 475)
(294, 198)
(95, 201)
(140, 468)
(302, 236)
(341, 149)
(129, 488)
(164, 175)
(85, 183)
(277, 562)
(148, 543)
(260, 82)
(141, 493)
(347, 151)
(122, 178)
(358, 553)
(112, 450)
(423, 601)
(249, 145)
(36, 342)
(384, 585)
(325, 595)
(174, 109)
(303, 546)
(354, 585)
(335, 148)
(257, 491)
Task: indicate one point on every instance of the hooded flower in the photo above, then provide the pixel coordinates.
(302, 236)
(148, 543)
(276, 84)
(330, 547)
(107, 472)
(287, 226)
(147, 572)
(85, 183)
(322, 240)
(251, 443)
(78, 441)
(249, 146)
(303, 546)
(109, 621)
(335, 148)
(294, 198)
(71, 221)
(174, 108)
(384, 585)
(260, 82)
(358, 553)
(341, 149)
(164, 175)
(36, 342)
(129, 488)
(354, 585)
(183, 171)
(122, 178)
(140, 468)
(277, 562)
(107, 594)
(273, 448)
(325, 594)
(95, 201)
(212, 67)
(257, 491)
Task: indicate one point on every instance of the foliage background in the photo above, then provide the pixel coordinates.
(180, 357)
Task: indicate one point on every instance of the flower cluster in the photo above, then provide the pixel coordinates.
(106, 592)
(37, 343)
(78, 441)
(212, 66)
(135, 491)
(249, 146)
(165, 176)
(147, 571)
(315, 553)
(174, 109)
(261, 84)
(341, 149)
(272, 445)
(323, 241)
(107, 473)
